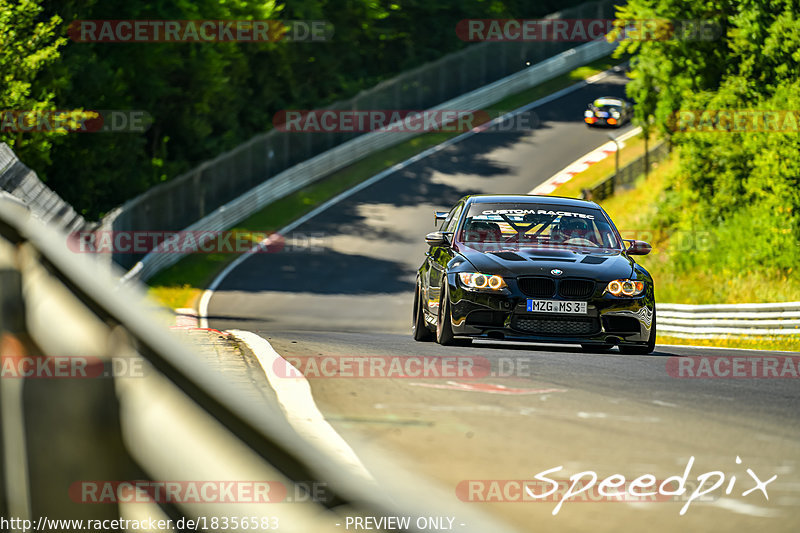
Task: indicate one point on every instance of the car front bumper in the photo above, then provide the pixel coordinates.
(600, 121)
(504, 315)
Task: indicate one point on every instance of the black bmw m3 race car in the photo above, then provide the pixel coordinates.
(608, 111)
(534, 268)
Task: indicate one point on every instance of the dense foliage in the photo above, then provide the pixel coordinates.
(204, 98)
(738, 186)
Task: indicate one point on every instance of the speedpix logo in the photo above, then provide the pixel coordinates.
(587, 486)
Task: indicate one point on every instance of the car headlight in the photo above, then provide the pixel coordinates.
(484, 282)
(625, 287)
(615, 114)
(588, 113)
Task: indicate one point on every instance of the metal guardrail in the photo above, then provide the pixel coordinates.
(179, 420)
(345, 154)
(23, 183)
(721, 320)
(627, 174)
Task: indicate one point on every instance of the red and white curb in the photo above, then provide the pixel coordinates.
(583, 163)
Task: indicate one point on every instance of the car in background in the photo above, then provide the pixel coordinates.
(608, 111)
(534, 268)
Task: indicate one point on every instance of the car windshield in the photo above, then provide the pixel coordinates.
(499, 226)
(607, 102)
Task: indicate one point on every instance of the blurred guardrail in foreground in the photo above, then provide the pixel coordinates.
(628, 174)
(23, 183)
(724, 320)
(477, 76)
(178, 419)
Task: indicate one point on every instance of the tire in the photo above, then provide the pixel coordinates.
(444, 327)
(596, 348)
(419, 328)
(643, 349)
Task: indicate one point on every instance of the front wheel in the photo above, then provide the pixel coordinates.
(444, 327)
(419, 329)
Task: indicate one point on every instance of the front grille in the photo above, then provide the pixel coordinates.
(537, 287)
(575, 288)
(556, 326)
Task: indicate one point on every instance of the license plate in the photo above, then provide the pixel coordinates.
(602, 114)
(557, 306)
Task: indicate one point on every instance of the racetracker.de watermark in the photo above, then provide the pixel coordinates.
(401, 367)
(199, 31)
(734, 367)
(196, 491)
(584, 30)
(69, 367)
(403, 121)
(186, 242)
(735, 121)
(75, 121)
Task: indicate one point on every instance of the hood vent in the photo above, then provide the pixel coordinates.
(509, 256)
(593, 260)
(552, 259)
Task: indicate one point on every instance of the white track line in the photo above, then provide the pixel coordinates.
(205, 299)
(295, 399)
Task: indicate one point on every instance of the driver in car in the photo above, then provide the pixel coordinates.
(575, 231)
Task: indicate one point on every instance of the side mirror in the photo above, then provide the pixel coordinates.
(439, 215)
(639, 248)
(437, 238)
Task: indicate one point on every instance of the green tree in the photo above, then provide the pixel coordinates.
(741, 187)
(27, 45)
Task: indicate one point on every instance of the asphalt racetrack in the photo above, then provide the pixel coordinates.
(535, 407)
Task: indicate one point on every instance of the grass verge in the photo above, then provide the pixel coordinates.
(182, 284)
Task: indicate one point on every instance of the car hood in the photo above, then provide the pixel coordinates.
(578, 262)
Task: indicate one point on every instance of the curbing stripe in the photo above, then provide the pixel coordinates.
(297, 403)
